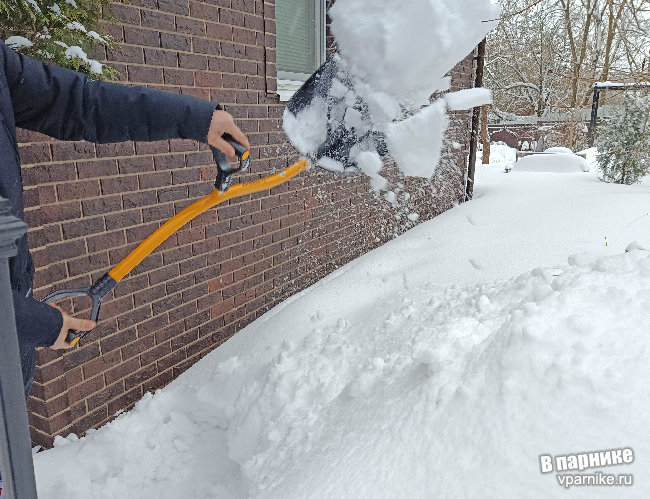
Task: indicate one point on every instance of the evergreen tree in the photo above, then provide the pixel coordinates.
(60, 32)
(624, 141)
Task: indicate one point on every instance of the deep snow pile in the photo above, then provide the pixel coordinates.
(383, 381)
(393, 57)
(500, 152)
(451, 393)
(552, 163)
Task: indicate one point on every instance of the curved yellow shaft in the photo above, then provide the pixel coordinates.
(195, 209)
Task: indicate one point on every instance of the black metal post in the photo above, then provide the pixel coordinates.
(471, 168)
(15, 444)
(594, 116)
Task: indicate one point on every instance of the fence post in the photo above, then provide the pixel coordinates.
(15, 444)
(594, 117)
(478, 82)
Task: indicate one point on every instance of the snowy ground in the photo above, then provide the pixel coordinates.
(440, 365)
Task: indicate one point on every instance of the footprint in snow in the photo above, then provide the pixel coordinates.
(475, 264)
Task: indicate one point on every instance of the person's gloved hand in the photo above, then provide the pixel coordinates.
(70, 322)
(223, 122)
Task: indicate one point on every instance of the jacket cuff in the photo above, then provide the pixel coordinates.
(37, 324)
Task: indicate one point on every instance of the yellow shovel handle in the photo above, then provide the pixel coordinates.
(195, 209)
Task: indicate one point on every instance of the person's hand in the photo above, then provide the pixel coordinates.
(70, 322)
(223, 122)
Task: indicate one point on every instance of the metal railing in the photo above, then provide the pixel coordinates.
(16, 462)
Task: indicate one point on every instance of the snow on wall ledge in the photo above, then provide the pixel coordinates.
(454, 392)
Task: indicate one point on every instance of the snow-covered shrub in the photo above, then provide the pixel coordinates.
(60, 32)
(624, 141)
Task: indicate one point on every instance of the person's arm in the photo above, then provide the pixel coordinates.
(67, 105)
(38, 324)
(41, 325)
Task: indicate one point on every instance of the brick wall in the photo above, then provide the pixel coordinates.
(89, 205)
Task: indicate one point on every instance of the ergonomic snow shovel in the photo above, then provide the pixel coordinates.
(331, 95)
(222, 192)
(336, 145)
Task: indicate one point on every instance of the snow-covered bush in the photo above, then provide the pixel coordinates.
(60, 33)
(624, 142)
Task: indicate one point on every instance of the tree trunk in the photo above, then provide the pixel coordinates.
(485, 136)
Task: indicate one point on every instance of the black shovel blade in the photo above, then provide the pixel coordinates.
(349, 122)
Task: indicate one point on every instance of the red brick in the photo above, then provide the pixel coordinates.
(171, 360)
(219, 31)
(127, 14)
(234, 50)
(126, 53)
(152, 325)
(246, 36)
(83, 390)
(256, 54)
(174, 6)
(208, 79)
(190, 26)
(231, 17)
(116, 149)
(157, 382)
(244, 5)
(101, 364)
(77, 190)
(180, 145)
(34, 153)
(178, 77)
(141, 36)
(60, 212)
(118, 340)
(125, 400)
(47, 373)
(205, 46)
(145, 74)
(158, 20)
(87, 264)
(105, 396)
(123, 219)
(202, 10)
(65, 151)
(153, 180)
(167, 58)
(92, 169)
(160, 146)
(154, 354)
(119, 184)
(175, 42)
(192, 61)
(136, 348)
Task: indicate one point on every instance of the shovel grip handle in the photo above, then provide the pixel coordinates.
(73, 336)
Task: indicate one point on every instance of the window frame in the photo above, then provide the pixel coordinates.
(287, 82)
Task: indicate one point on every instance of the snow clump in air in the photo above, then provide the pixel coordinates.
(468, 98)
(307, 138)
(401, 52)
(404, 49)
(415, 143)
(397, 55)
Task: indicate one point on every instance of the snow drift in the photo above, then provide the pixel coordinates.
(452, 392)
(551, 163)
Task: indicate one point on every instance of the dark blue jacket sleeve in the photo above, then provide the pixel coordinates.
(38, 324)
(67, 105)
